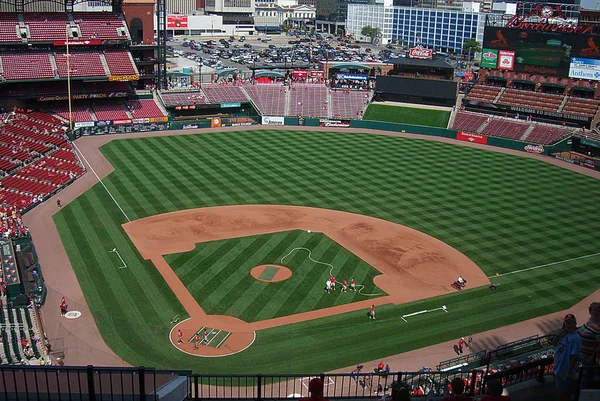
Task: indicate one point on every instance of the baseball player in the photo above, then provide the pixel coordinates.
(328, 286)
(205, 336)
(352, 284)
(344, 285)
(372, 312)
(333, 283)
(196, 341)
(179, 336)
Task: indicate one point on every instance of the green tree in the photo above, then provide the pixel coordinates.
(470, 47)
(370, 32)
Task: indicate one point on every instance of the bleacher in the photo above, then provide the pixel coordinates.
(483, 93)
(183, 98)
(269, 98)
(505, 128)
(8, 28)
(46, 27)
(144, 108)
(79, 112)
(348, 104)
(26, 66)
(110, 111)
(532, 100)
(470, 122)
(81, 64)
(104, 25)
(545, 134)
(308, 100)
(579, 106)
(223, 93)
(119, 62)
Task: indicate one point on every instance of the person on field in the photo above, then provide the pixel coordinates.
(328, 286)
(344, 285)
(352, 284)
(372, 312)
(196, 341)
(179, 336)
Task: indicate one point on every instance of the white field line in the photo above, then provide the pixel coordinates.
(547, 264)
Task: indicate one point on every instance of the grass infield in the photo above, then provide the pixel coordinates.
(407, 115)
(504, 212)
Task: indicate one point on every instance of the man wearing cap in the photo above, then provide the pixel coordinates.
(566, 353)
(590, 344)
(315, 387)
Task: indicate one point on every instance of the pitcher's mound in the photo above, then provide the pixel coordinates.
(271, 273)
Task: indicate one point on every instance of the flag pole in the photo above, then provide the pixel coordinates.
(69, 80)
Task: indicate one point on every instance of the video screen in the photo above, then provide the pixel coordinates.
(547, 53)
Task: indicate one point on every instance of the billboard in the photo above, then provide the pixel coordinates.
(539, 52)
(584, 68)
(506, 60)
(489, 58)
(177, 21)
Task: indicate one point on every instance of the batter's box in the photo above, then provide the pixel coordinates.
(214, 337)
(327, 382)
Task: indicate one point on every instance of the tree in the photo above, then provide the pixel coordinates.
(370, 32)
(471, 47)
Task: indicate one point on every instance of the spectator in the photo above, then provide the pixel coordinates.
(315, 387)
(495, 391)
(590, 344)
(400, 392)
(566, 354)
(458, 387)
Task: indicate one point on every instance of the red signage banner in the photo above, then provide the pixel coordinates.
(334, 123)
(317, 74)
(177, 21)
(420, 52)
(474, 138)
(94, 42)
(534, 149)
(300, 73)
(506, 60)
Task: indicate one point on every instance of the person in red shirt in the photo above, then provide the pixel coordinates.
(333, 283)
(372, 312)
(495, 391)
(461, 344)
(458, 387)
(179, 336)
(63, 307)
(352, 285)
(315, 387)
(380, 367)
(196, 341)
(205, 336)
(344, 285)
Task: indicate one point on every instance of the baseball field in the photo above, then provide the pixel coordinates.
(526, 224)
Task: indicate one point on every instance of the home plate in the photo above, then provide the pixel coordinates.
(73, 314)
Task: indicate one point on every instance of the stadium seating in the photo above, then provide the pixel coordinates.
(348, 104)
(110, 111)
(102, 25)
(579, 106)
(545, 134)
(308, 101)
(119, 62)
(26, 66)
(8, 28)
(505, 128)
(532, 100)
(483, 93)
(470, 122)
(58, 88)
(80, 113)
(182, 98)
(47, 27)
(223, 93)
(144, 108)
(269, 98)
(82, 64)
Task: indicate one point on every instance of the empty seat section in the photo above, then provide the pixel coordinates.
(348, 104)
(144, 108)
(86, 64)
(183, 98)
(8, 28)
(269, 98)
(505, 128)
(308, 101)
(119, 62)
(46, 27)
(110, 111)
(26, 66)
(101, 25)
(223, 93)
(80, 113)
(545, 135)
(471, 122)
(483, 93)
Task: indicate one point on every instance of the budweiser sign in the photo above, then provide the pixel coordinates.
(517, 22)
(534, 149)
(420, 52)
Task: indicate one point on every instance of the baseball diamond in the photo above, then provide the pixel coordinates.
(494, 212)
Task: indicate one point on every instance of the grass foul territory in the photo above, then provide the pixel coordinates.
(504, 212)
(407, 115)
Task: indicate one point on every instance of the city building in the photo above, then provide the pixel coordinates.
(234, 12)
(268, 17)
(183, 6)
(440, 29)
(332, 14)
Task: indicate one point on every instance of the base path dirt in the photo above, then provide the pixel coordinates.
(414, 265)
(80, 340)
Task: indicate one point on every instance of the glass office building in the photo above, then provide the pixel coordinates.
(442, 29)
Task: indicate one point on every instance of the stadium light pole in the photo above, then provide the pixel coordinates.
(69, 79)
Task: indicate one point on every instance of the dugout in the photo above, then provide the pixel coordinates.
(435, 68)
(416, 90)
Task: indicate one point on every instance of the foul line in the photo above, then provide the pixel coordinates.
(99, 180)
(548, 264)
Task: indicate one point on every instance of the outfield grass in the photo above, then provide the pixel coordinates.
(407, 115)
(217, 274)
(504, 212)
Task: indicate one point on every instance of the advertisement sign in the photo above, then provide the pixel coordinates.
(215, 122)
(94, 42)
(268, 120)
(355, 77)
(300, 74)
(534, 149)
(506, 60)
(83, 124)
(420, 52)
(82, 96)
(317, 74)
(177, 21)
(133, 77)
(230, 104)
(489, 58)
(334, 123)
(589, 163)
(584, 68)
(474, 138)
(538, 19)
